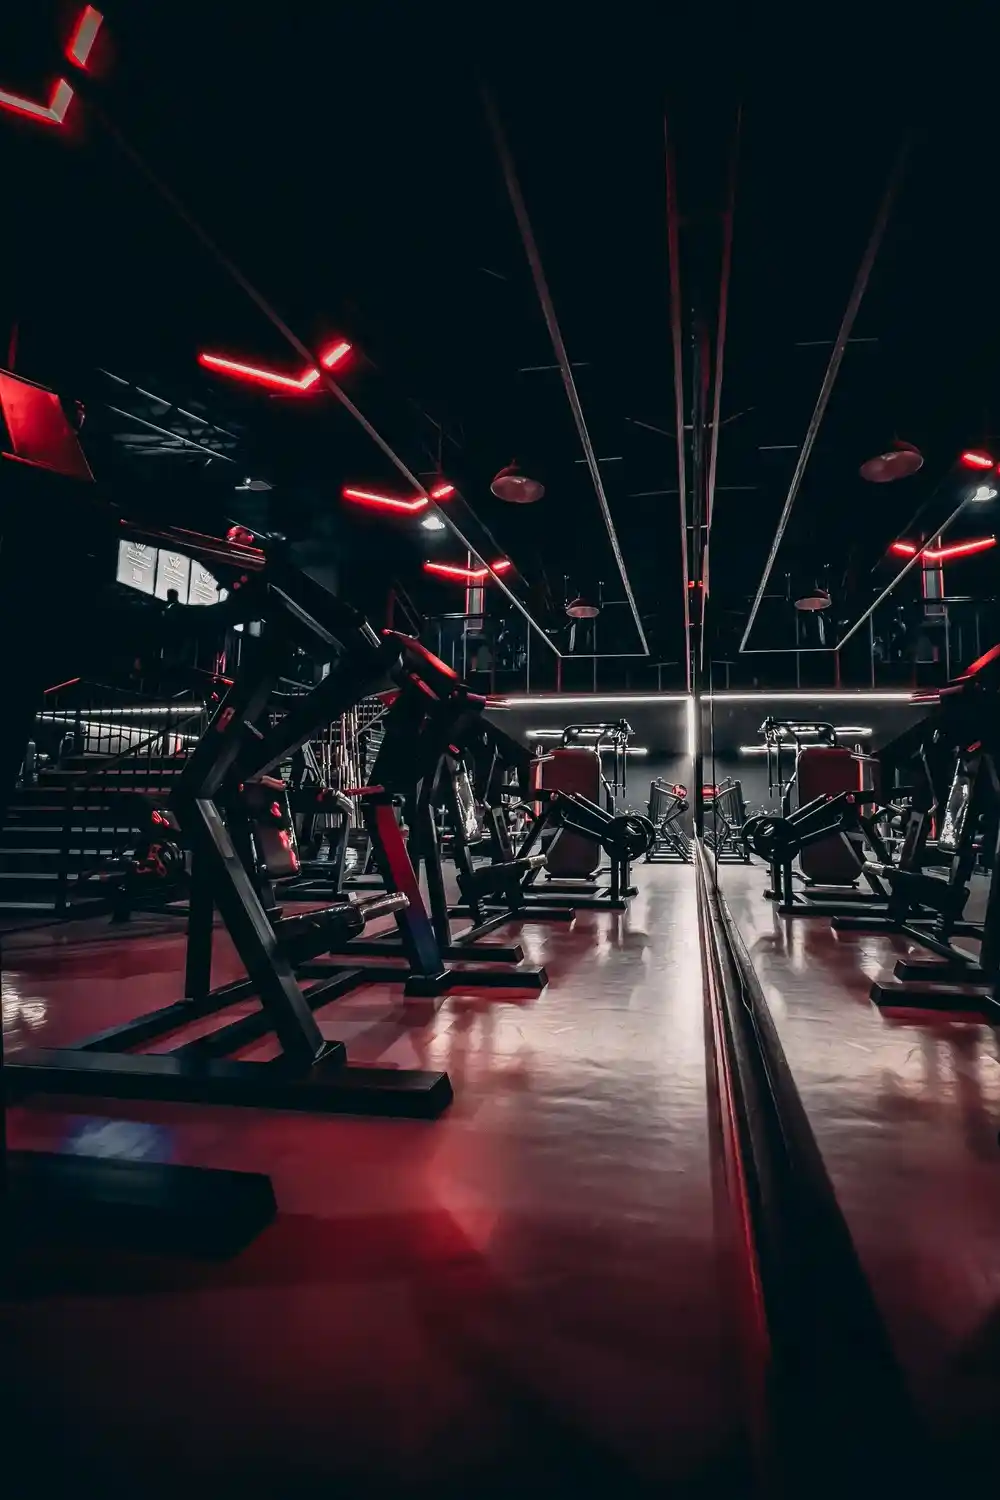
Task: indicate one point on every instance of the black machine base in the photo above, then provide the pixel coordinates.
(940, 971)
(842, 912)
(597, 898)
(933, 997)
(461, 947)
(329, 1086)
(426, 986)
(530, 912)
(132, 1205)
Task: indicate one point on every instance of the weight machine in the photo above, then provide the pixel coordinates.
(242, 746)
(929, 908)
(729, 813)
(667, 805)
(419, 764)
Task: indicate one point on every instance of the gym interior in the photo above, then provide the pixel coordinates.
(499, 934)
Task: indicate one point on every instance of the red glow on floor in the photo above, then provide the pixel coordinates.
(84, 36)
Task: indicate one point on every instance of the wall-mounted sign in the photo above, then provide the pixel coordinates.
(137, 566)
(204, 589)
(173, 571)
(155, 570)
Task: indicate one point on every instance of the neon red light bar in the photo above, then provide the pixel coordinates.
(961, 549)
(331, 357)
(388, 502)
(466, 575)
(53, 113)
(78, 50)
(251, 373)
(942, 554)
(84, 36)
(394, 502)
(273, 378)
(974, 460)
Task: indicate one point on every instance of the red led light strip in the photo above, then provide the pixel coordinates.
(973, 460)
(942, 554)
(466, 575)
(393, 502)
(386, 502)
(273, 378)
(84, 36)
(78, 51)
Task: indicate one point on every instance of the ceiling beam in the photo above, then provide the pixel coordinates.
(674, 270)
(559, 349)
(725, 276)
(833, 367)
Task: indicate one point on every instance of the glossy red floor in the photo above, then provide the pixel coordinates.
(522, 1296)
(905, 1107)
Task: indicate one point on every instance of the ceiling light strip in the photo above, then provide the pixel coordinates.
(386, 502)
(84, 36)
(53, 113)
(275, 319)
(895, 582)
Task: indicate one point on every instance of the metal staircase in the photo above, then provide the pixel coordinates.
(95, 747)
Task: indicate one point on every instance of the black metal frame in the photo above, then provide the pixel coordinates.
(577, 814)
(955, 966)
(665, 808)
(311, 1073)
(432, 715)
(729, 813)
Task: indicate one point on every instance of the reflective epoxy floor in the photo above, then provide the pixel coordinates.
(522, 1296)
(905, 1107)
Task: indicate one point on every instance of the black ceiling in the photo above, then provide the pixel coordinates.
(342, 157)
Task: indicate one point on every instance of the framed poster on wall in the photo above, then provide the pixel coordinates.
(173, 571)
(137, 566)
(204, 589)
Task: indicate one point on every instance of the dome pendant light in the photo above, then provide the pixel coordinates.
(900, 462)
(516, 488)
(582, 609)
(813, 602)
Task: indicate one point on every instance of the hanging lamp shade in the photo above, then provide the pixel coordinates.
(582, 609)
(817, 599)
(516, 488)
(899, 463)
